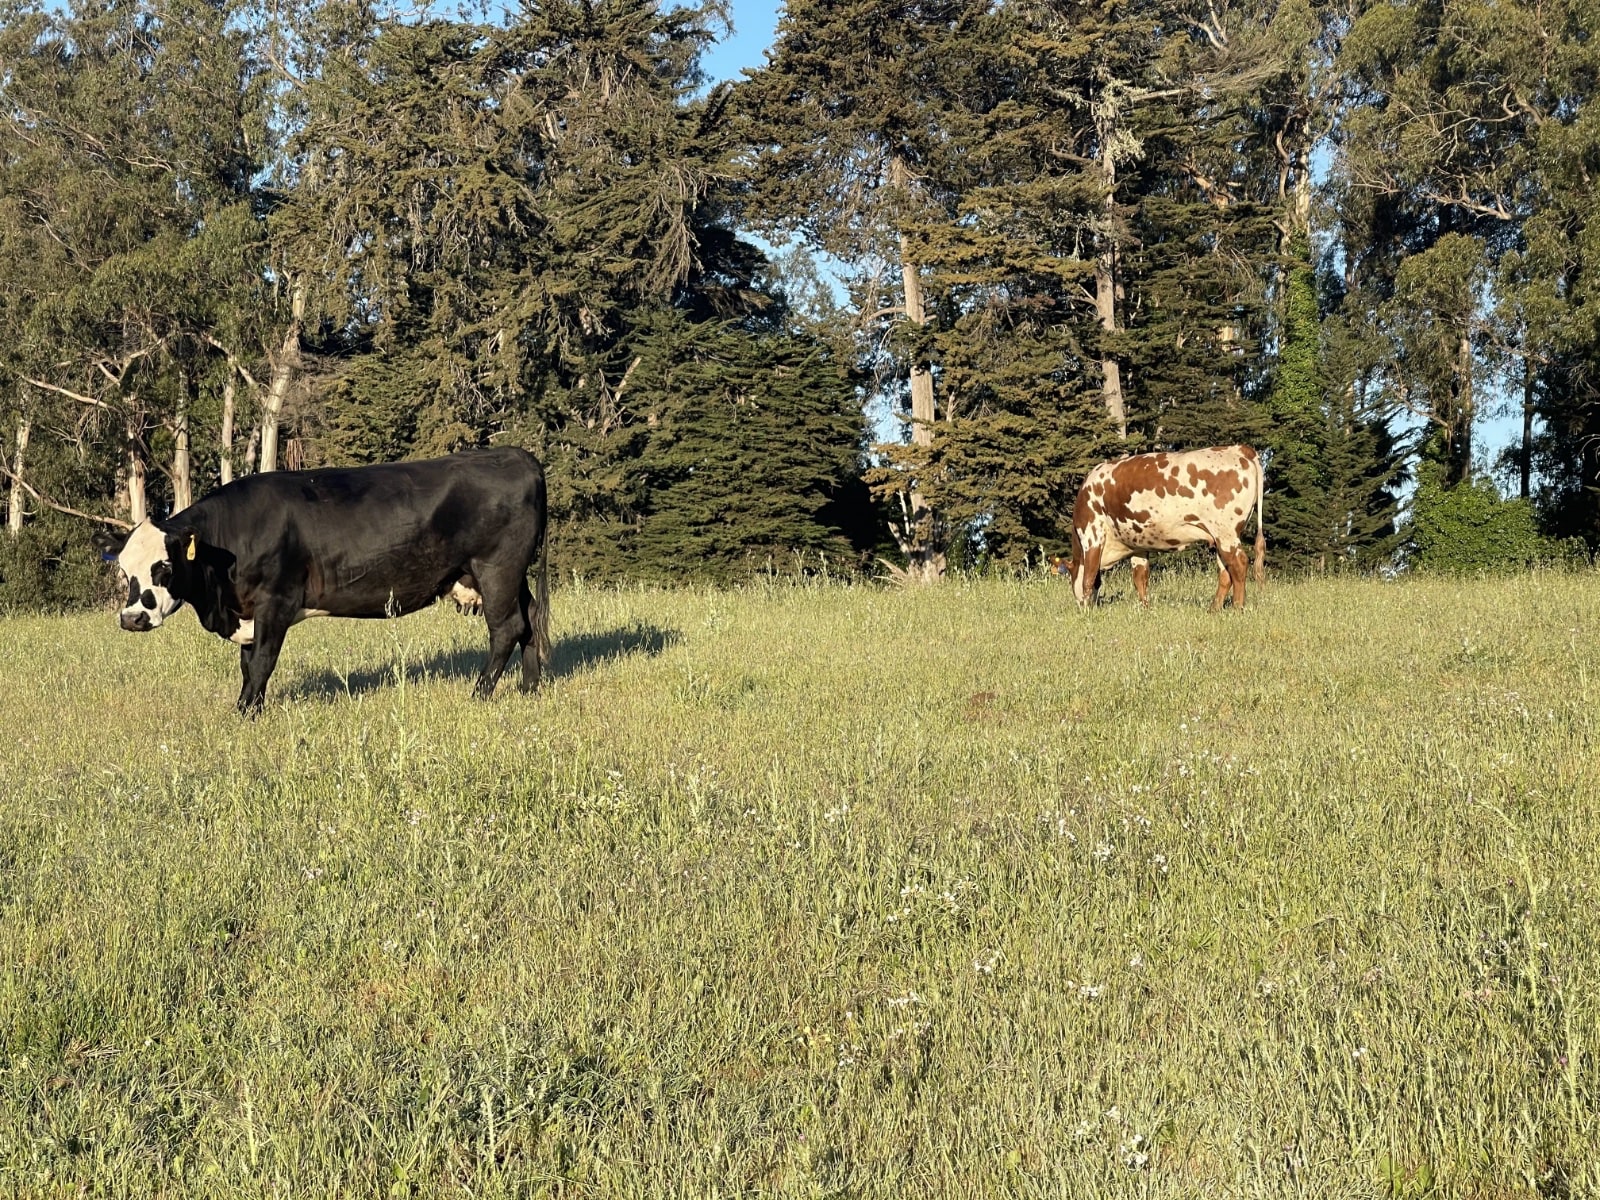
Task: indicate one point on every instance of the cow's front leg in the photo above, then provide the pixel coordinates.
(1087, 585)
(257, 660)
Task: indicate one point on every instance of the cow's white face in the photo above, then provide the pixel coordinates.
(145, 561)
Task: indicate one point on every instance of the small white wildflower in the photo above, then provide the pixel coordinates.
(1113, 1113)
(1137, 962)
(986, 966)
(1358, 1053)
(902, 1001)
(1090, 991)
(1104, 851)
(1133, 1153)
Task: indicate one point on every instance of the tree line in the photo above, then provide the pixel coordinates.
(245, 235)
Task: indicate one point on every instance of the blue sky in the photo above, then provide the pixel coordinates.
(753, 23)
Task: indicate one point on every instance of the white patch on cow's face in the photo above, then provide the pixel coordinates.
(148, 570)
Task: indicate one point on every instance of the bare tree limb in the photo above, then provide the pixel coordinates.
(62, 508)
(233, 360)
(67, 392)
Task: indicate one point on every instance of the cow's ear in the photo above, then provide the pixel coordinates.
(109, 542)
(183, 545)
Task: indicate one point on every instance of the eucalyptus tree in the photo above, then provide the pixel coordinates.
(1467, 122)
(134, 137)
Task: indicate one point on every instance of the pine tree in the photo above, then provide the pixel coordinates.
(752, 446)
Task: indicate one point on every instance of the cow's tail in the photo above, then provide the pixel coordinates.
(541, 604)
(1261, 523)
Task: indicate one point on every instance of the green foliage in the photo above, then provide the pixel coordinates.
(1470, 527)
(756, 439)
(1333, 466)
(386, 407)
(51, 566)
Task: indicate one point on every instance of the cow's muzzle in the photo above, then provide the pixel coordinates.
(135, 620)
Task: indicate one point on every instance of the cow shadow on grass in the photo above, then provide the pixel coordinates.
(570, 655)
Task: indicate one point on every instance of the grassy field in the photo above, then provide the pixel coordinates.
(815, 891)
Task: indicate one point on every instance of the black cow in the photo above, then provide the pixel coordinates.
(267, 551)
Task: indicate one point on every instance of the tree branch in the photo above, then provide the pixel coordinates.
(62, 508)
(233, 360)
(69, 394)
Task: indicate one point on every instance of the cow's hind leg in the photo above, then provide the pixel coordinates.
(1238, 568)
(507, 615)
(1141, 580)
(1224, 581)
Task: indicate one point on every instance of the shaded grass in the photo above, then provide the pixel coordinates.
(795, 892)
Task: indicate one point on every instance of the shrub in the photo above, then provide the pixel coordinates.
(52, 566)
(1471, 527)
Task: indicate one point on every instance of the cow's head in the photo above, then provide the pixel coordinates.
(150, 558)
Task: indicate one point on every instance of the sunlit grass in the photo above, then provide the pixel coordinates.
(831, 891)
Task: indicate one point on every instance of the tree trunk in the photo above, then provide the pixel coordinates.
(1460, 465)
(925, 560)
(14, 512)
(283, 368)
(182, 470)
(1106, 287)
(229, 391)
(1525, 455)
(138, 505)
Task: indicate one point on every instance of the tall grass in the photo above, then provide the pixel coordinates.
(798, 892)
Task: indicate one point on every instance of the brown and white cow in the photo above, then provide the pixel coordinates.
(1166, 501)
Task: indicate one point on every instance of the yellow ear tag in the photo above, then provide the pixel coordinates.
(190, 554)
